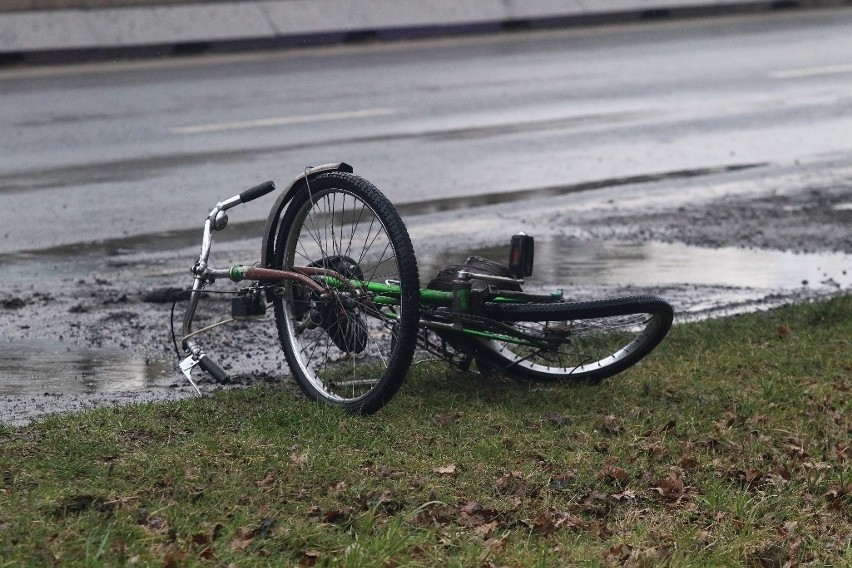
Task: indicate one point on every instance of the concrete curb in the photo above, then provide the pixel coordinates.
(270, 20)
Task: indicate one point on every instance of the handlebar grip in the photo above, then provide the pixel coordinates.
(215, 370)
(257, 191)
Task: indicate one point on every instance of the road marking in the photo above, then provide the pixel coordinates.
(283, 120)
(811, 71)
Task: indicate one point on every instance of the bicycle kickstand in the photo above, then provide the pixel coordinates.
(205, 363)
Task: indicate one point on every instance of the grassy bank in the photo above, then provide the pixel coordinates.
(729, 446)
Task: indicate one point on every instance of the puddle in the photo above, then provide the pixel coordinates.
(37, 367)
(566, 262)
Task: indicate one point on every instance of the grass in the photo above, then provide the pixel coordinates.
(729, 446)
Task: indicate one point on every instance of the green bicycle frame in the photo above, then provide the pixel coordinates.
(388, 294)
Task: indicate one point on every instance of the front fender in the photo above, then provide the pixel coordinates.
(267, 253)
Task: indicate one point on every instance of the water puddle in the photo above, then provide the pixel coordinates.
(566, 262)
(37, 367)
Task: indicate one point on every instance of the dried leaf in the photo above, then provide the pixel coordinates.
(608, 424)
(174, 559)
(309, 557)
(671, 488)
(611, 472)
(618, 554)
(545, 522)
(497, 544)
(471, 508)
(570, 522)
(486, 529)
(268, 480)
(243, 540)
(626, 495)
(507, 480)
(334, 515)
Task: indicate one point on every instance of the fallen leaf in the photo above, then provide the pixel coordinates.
(486, 529)
(243, 539)
(497, 544)
(174, 559)
(268, 480)
(309, 558)
(618, 554)
(611, 472)
(671, 488)
(334, 515)
(471, 508)
(626, 495)
(608, 424)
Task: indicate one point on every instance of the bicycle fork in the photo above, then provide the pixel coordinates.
(216, 221)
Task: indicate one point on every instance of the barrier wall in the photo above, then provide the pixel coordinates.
(44, 26)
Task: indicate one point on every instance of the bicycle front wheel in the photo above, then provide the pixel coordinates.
(343, 349)
(583, 341)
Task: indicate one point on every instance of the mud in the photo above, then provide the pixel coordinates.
(93, 328)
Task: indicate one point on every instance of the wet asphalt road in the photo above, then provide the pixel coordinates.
(680, 158)
(113, 151)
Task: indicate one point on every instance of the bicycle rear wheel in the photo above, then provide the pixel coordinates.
(342, 349)
(583, 341)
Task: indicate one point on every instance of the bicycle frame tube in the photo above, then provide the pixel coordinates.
(383, 294)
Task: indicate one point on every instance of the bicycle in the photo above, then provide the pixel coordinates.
(338, 268)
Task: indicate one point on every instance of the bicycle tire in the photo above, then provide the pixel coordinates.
(354, 357)
(586, 341)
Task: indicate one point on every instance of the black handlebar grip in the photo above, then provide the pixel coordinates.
(257, 191)
(215, 370)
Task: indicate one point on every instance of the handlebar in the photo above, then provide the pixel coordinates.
(257, 191)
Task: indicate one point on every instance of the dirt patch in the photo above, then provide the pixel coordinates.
(816, 219)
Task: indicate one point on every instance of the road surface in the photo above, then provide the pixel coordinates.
(110, 151)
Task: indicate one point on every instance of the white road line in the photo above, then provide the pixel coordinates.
(283, 120)
(811, 71)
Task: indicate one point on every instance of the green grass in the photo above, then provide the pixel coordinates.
(729, 446)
